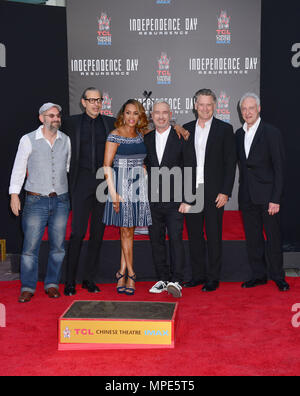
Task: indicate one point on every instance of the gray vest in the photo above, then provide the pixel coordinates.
(47, 168)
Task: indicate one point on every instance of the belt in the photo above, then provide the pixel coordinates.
(40, 195)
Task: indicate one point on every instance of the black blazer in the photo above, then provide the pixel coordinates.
(175, 155)
(71, 126)
(220, 158)
(262, 174)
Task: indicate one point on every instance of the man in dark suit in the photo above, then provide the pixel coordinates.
(213, 152)
(88, 132)
(166, 152)
(261, 164)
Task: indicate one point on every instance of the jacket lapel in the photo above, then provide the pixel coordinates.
(153, 150)
(242, 146)
(77, 137)
(211, 136)
(168, 148)
(107, 131)
(191, 140)
(256, 139)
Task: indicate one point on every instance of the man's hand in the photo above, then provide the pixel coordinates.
(221, 200)
(184, 208)
(15, 204)
(273, 209)
(182, 132)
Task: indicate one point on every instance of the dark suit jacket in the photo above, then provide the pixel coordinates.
(72, 127)
(175, 155)
(261, 175)
(220, 159)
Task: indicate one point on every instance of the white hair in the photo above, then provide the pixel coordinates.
(250, 95)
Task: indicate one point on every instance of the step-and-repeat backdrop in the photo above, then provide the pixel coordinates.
(171, 48)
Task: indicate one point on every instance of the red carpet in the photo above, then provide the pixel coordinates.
(232, 229)
(229, 332)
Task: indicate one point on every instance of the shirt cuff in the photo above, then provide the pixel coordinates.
(14, 190)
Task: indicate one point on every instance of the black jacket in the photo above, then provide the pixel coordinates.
(262, 174)
(220, 158)
(72, 127)
(175, 156)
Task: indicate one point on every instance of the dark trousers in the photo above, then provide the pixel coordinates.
(84, 207)
(263, 254)
(213, 219)
(165, 216)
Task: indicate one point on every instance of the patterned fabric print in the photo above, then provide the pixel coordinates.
(128, 162)
(130, 183)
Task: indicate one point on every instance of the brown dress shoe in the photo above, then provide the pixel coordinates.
(53, 293)
(25, 297)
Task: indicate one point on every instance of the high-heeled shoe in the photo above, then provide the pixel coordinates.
(120, 289)
(130, 290)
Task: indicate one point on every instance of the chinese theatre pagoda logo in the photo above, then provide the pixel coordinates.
(163, 73)
(104, 33)
(67, 333)
(223, 108)
(106, 105)
(223, 31)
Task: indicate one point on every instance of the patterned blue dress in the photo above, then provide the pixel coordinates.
(130, 183)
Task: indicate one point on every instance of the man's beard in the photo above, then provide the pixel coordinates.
(53, 126)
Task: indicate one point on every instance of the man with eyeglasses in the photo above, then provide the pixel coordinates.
(88, 132)
(44, 156)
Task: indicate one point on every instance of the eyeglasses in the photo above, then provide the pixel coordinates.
(94, 100)
(52, 115)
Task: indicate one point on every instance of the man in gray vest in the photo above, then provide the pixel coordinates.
(44, 157)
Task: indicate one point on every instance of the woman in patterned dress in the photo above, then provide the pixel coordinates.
(127, 206)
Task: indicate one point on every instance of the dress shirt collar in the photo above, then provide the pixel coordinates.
(254, 127)
(39, 134)
(90, 119)
(164, 134)
(207, 124)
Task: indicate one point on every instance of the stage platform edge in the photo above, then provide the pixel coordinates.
(95, 325)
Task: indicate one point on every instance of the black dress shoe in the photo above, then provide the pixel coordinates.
(210, 286)
(70, 289)
(90, 286)
(254, 282)
(193, 283)
(282, 285)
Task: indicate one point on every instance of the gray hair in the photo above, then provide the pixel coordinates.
(205, 92)
(250, 95)
(161, 101)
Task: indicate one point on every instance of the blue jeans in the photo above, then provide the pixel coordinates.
(40, 211)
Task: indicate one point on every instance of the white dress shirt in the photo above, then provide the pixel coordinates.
(160, 142)
(249, 135)
(20, 164)
(201, 137)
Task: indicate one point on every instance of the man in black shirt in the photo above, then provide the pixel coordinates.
(88, 132)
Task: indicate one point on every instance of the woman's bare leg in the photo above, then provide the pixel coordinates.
(127, 238)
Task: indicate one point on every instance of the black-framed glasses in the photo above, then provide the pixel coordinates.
(94, 100)
(53, 115)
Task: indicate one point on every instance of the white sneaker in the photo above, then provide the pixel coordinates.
(159, 287)
(174, 289)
